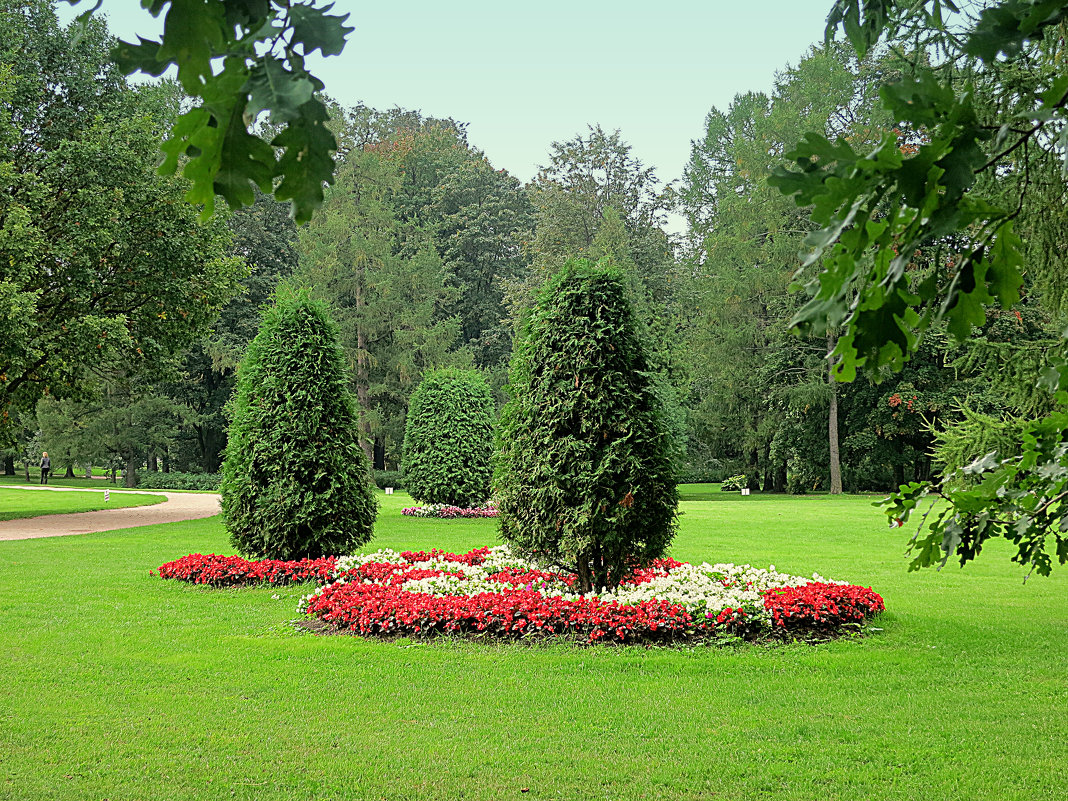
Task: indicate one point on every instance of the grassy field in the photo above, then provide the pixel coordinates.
(121, 686)
(19, 480)
(16, 503)
(81, 483)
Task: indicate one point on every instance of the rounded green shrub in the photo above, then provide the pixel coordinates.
(585, 474)
(295, 482)
(448, 440)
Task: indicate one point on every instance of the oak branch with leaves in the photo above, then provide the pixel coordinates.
(238, 59)
(922, 229)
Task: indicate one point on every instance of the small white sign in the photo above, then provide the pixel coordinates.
(107, 495)
(745, 490)
(389, 490)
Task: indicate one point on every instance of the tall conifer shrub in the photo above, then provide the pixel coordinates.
(585, 477)
(295, 482)
(448, 440)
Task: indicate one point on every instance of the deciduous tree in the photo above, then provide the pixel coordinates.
(96, 256)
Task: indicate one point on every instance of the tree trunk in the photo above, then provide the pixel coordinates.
(211, 442)
(153, 463)
(769, 470)
(832, 422)
(752, 475)
(362, 377)
(70, 471)
(9, 465)
(380, 454)
(780, 477)
(166, 463)
(129, 474)
(584, 578)
(899, 475)
(89, 470)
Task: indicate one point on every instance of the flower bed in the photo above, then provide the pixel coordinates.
(446, 512)
(490, 591)
(493, 592)
(233, 571)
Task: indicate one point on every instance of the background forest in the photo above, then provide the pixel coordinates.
(429, 257)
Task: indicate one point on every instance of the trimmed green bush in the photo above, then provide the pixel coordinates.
(448, 440)
(295, 482)
(585, 475)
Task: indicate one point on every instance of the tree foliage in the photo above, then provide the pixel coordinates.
(96, 256)
(760, 397)
(384, 277)
(448, 438)
(295, 481)
(924, 229)
(261, 46)
(585, 477)
(265, 239)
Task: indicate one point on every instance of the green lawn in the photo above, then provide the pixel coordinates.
(19, 480)
(81, 482)
(121, 686)
(16, 503)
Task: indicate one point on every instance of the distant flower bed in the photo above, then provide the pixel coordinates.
(444, 511)
(490, 591)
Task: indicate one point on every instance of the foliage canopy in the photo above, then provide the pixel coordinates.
(98, 258)
(262, 46)
(924, 229)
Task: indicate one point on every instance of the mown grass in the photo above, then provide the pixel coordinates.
(123, 686)
(15, 503)
(19, 480)
(81, 482)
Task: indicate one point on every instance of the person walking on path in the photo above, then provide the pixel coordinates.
(46, 467)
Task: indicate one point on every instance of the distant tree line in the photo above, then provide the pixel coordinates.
(125, 316)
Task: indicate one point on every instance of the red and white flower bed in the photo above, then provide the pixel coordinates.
(445, 512)
(492, 591)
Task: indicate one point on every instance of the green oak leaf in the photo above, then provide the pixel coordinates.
(316, 30)
(271, 86)
(244, 158)
(193, 33)
(307, 164)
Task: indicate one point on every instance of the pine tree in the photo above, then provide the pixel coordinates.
(585, 476)
(295, 480)
(448, 442)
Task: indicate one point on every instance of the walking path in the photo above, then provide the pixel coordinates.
(178, 506)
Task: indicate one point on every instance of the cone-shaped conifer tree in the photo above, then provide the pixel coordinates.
(295, 480)
(448, 440)
(585, 477)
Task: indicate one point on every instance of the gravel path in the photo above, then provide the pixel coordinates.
(178, 506)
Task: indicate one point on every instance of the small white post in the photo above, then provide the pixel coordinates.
(389, 490)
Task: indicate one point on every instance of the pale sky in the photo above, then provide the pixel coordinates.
(525, 74)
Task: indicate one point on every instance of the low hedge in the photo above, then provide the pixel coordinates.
(204, 482)
(389, 478)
